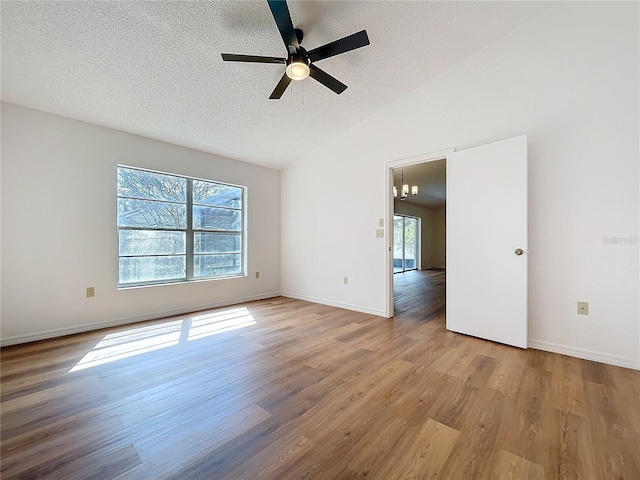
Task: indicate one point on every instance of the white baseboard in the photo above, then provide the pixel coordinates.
(60, 332)
(585, 354)
(331, 303)
(537, 344)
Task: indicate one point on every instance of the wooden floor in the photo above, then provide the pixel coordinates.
(285, 389)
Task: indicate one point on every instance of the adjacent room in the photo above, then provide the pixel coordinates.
(419, 238)
(208, 268)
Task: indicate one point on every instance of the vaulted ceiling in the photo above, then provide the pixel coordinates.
(154, 68)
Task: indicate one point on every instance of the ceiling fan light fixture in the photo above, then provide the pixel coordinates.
(297, 69)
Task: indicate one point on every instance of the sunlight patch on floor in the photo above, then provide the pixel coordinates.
(136, 341)
(214, 323)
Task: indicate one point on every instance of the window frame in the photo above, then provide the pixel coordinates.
(417, 243)
(189, 231)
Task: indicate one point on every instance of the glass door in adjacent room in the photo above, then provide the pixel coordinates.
(405, 243)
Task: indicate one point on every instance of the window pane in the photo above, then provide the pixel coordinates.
(213, 265)
(410, 240)
(216, 242)
(151, 242)
(397, 243)
(147, 269)
(207, 218)
(145, 213)
(141, 184)
(216, 194)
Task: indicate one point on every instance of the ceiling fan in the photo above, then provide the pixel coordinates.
(300, 63)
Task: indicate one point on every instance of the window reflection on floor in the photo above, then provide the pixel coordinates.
(136, 341)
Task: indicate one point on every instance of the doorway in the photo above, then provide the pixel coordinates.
(406, 238)
(419, 233)
(486, 239)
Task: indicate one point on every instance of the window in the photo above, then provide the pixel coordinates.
(177, 229)
(406, 234)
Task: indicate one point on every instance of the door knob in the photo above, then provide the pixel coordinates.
(519, 251)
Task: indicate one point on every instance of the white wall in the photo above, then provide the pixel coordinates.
(569, 80)
(59, 226)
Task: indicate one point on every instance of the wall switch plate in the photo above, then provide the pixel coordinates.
(381, 222)
(346, 280)
(583, 308)
(257, 274)
(91, 292)
(380, 233)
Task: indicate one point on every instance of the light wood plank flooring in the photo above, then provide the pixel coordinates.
(286, 389)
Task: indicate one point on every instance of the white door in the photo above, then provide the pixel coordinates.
(487, 241)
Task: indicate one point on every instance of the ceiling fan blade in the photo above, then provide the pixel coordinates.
(343, 45)
(230, 57)
(281, 15)
(327, 80)
(281, 87)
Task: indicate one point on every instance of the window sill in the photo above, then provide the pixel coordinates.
(179, 282)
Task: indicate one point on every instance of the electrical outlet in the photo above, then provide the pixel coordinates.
(381, 222)
(257, 274)
(380, 233)
(91, 292)
(583, 308)
(346, 280)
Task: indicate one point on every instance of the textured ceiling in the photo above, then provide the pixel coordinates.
(154, 68)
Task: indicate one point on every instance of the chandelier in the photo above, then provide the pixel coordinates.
(404, 193)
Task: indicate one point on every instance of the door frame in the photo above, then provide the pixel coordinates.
(402, 162)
